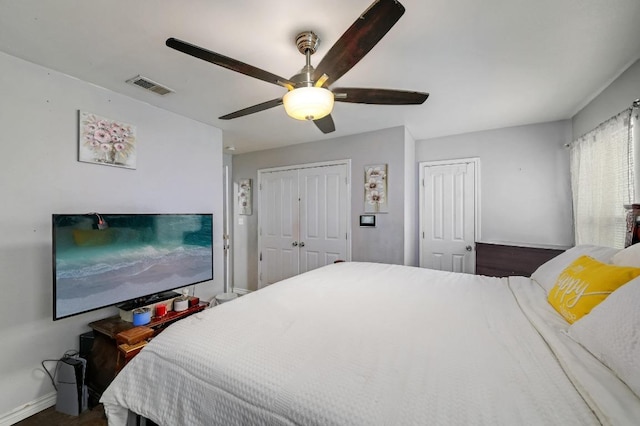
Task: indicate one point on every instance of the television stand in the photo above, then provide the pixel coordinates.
(102, 361)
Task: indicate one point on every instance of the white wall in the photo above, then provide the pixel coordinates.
(384, 243)
(179, 170)
(525, 191)
(613, 99)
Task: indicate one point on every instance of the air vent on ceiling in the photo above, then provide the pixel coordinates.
(148, 84)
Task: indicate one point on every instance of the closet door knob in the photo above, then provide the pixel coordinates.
(295, 243)
(301, 243)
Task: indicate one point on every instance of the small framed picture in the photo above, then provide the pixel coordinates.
(368, 220)
(244, 196)
(106, 141)
(375, 188)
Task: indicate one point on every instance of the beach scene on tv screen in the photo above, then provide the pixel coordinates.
(135, 256)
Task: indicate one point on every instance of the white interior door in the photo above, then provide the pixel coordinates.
(278, 226)
(447, 211)
(323, 218)
(303, 220)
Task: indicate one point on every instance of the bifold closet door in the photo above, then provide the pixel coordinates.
(323, 218)
(279, 254)
(302, 219)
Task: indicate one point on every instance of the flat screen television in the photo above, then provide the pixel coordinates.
(101, 260)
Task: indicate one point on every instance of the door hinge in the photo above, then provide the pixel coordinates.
(346, 236)
(423, 235)
(260, 256)
(422, 182)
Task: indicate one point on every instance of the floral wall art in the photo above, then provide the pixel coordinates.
(375, 189)
(106, 141)
(244, 196)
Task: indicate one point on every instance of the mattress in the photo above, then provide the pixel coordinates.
(371, 344)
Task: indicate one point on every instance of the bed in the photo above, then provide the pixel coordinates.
(373, 344)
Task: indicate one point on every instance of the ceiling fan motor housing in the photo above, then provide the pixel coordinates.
(307, 41)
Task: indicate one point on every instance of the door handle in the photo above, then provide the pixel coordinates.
(301, 243)
(468, 248)
(295, 244)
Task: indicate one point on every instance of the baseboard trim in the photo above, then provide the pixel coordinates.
(28, 409)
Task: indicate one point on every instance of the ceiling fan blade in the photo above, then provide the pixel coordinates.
(253, 109)
(379, 96)
(325, 124)
(228, 63)
(359, 39)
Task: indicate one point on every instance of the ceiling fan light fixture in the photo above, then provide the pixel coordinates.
(308, 103)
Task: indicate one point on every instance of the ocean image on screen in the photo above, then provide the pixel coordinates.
(135, 256)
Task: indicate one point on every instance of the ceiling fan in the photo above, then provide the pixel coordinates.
(309, 95)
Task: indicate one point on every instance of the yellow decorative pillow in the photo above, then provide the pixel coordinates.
(585, 283)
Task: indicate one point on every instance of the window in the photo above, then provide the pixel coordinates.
(602, 181)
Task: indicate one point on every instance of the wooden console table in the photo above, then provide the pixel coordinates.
(102, 361)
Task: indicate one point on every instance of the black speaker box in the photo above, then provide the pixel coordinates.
(86, 343)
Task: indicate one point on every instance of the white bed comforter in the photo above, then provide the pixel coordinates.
(358, 344)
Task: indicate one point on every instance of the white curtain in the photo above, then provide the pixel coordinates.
(602, 182)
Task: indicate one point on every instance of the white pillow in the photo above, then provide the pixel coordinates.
(547, 274)
(610, 333)
(628, 257)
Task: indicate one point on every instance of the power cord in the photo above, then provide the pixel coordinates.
(71, 353)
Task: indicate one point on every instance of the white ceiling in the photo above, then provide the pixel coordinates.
(486, 63)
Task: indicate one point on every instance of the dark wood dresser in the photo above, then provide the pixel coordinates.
(633, 224)
(507, 259)
(104, 358)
